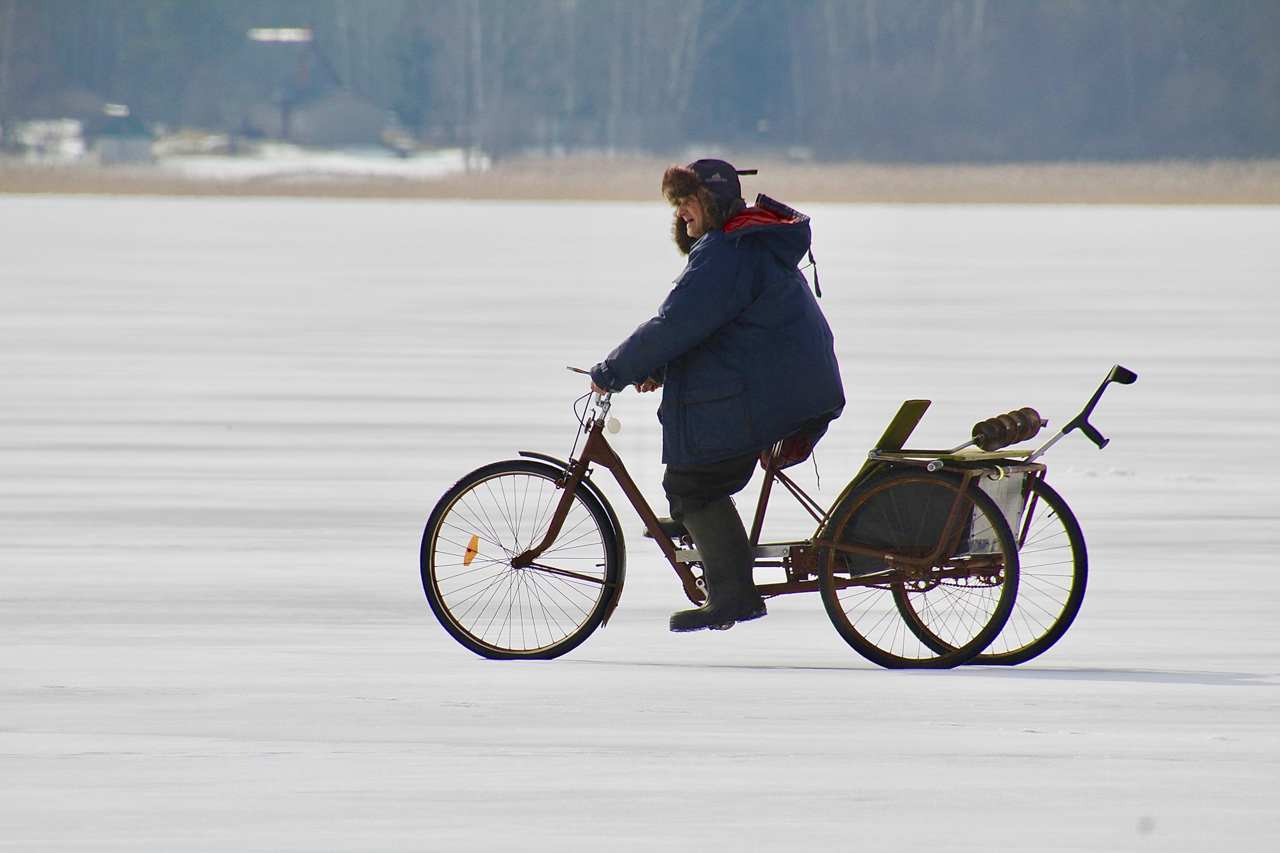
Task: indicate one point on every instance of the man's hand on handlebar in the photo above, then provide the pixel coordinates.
(643, 387)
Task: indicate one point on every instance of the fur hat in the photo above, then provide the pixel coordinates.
(714, 183)
(679, 182)
(718, 177)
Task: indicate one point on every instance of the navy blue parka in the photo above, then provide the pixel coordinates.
(745, 356)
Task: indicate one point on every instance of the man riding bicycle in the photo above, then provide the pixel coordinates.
(745, 359)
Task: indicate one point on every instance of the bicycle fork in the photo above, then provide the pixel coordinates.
(597, 450)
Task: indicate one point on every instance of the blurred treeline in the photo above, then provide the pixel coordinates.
(889, 80)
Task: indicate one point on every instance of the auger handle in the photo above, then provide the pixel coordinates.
(1121, 375)
(1118, 374)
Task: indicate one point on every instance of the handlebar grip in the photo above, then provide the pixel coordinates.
(1089, 430)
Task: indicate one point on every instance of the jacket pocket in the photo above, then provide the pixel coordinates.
(713, 391)
(716, 416)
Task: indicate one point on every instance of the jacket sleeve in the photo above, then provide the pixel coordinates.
(714, 288)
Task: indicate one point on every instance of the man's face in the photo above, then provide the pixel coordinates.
(694, 215)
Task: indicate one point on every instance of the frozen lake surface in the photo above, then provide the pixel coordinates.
(224, 423)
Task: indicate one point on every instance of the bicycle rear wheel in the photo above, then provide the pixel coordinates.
(502, 611)
(1053, 572)
(898, 611)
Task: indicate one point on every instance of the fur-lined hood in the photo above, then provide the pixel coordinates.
(784, 230)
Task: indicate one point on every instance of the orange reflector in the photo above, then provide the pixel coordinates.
(473, 548)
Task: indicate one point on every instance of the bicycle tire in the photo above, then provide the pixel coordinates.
(495, 609)
(1053, 567)
(954, 608)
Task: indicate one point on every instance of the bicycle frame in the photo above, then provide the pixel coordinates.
(799, 560)
(598, 451)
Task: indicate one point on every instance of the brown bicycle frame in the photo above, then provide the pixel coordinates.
(597, 451)
(800, 561)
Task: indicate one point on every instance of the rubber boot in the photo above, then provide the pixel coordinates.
(721, 541)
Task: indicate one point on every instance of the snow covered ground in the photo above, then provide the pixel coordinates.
(223, 424)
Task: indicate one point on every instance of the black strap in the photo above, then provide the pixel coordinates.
(817, 290)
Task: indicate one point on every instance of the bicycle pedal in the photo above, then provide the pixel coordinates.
(674, 530)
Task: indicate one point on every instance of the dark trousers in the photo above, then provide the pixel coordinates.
(690, 489)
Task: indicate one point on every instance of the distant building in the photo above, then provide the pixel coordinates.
(123, 139)
(48, 140)
(332, 121)
(337, 120)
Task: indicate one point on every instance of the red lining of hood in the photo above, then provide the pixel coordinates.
(757, 216)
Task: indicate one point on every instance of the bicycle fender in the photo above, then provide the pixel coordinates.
(613, 520)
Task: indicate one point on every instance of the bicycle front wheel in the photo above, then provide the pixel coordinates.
(1053, 570)
(930, 574)
(499, 610)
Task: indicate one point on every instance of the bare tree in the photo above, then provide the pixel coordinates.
(879, 79)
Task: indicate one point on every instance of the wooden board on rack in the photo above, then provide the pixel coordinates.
(902, 425)
(896, 434)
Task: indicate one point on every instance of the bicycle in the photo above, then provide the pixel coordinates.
(917, 561)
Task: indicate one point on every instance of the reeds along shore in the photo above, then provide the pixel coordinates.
(637, 179)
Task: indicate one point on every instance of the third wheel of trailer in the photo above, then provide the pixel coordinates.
(1053, 571)
(928, 571)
